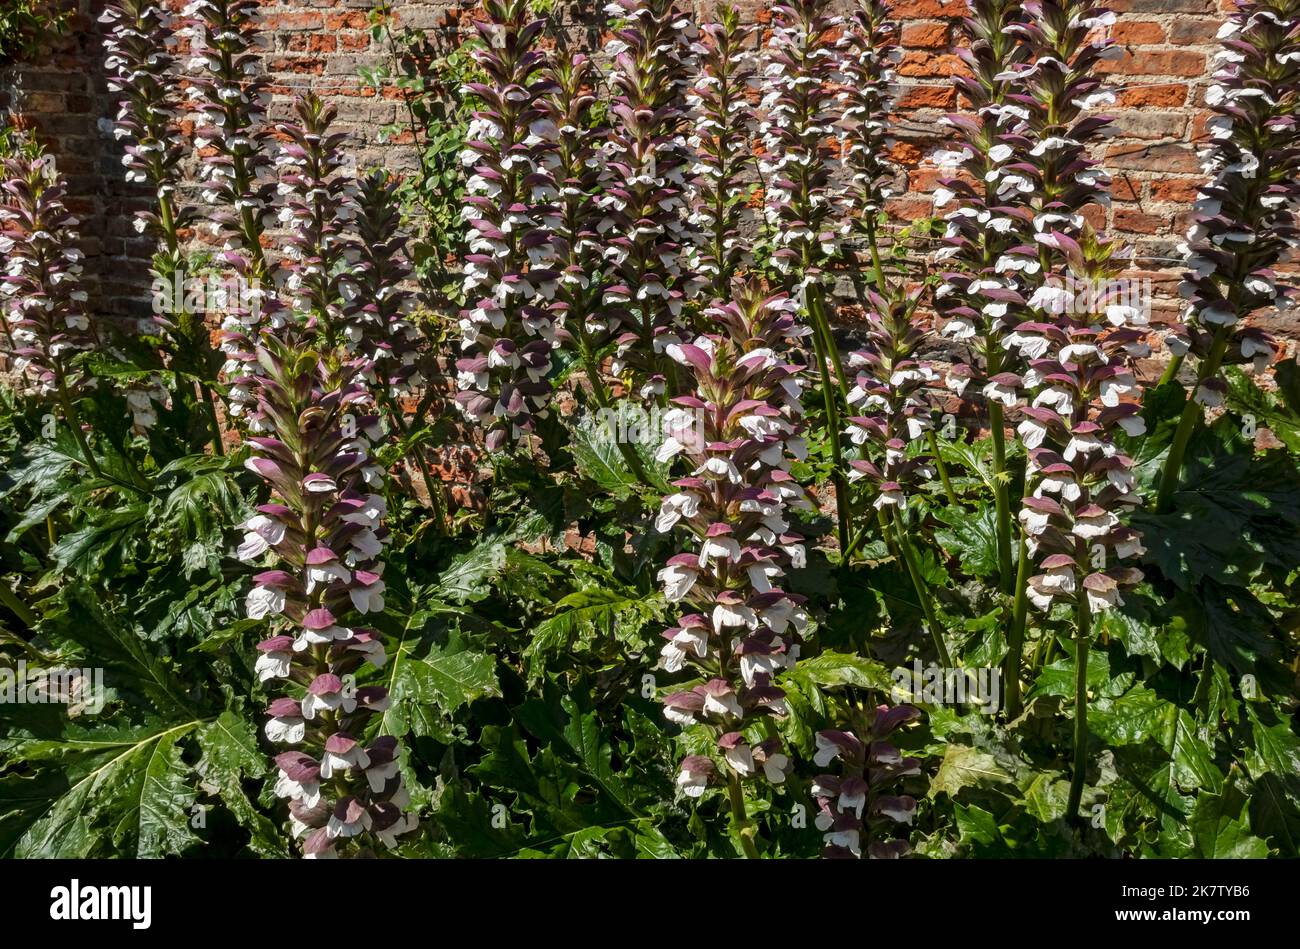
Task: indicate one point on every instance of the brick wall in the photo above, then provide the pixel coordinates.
(1163, 73)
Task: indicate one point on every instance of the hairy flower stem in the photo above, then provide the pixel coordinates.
(1016, 637)
(1001, 497)
(744, 829)
(1192, 413)
(1082, 635)
(922, 591)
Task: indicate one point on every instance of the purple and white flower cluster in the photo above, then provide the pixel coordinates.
(1244, 220)
(797, 132)
(891, 397)
(852, 808)
(508, 329)
(315, 207)
(576, 235)
(378, 307)
(323, 535)
(138, 42)
(724, 122)
(868, 50)
(41, 299)
(647, 162)
(739, 432)
(231, 134)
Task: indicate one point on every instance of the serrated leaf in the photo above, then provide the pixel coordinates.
(964, 767)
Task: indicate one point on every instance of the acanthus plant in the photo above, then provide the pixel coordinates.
(644, 192)
(579, 220)
(868, 49)
(378, 315)
(892, 398)
(853, 807)
(138, 43)
(508, 329)
(324, 528)
(231, 135)
(1243, 224)
(1078, 350)
(724, 122)
(979, 302)
(796, 169)
(315, 206)
(739, 431)
(46, 323)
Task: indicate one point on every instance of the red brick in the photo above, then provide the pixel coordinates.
(1139, 33)
(313, 43)
(1175, 158)
(291, 22)
(354, 20)
(1171, 94)
(1177, 190)
(1189, 31)
(925, 35)
(1138, 222)
(917, 63)
(928, 97)
(1155, 62)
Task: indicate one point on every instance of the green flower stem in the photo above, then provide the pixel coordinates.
(1016, 636)
(1082, 635)
(943, 469)
(744, 828)
(70, 414)
(1172, 370)
(16, 606)
(1001, 499)
(832, 423)
(1192, 414)
(922, 591)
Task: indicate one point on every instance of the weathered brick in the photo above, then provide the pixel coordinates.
(925, 35)
(1138, 221)
(1155, 62)
(1173, 157)
(1139, 33)
(1178, 190)
(928, 97)
(1170, 94)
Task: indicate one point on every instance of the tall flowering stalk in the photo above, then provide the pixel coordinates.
(44, 307)
(738, 432)
(724, 122)
(508, 331)
(324, 534)
(378, 306)
(377, 312)
(1086, 353)
(138, 43)
(579, 222)
(868, 48)
(1081, 484)
(646, 163)
(1244, 222)
(890, 397)
(315, 208)
(978, 301)
(853, 805)
(231, 102)
(796, 169)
